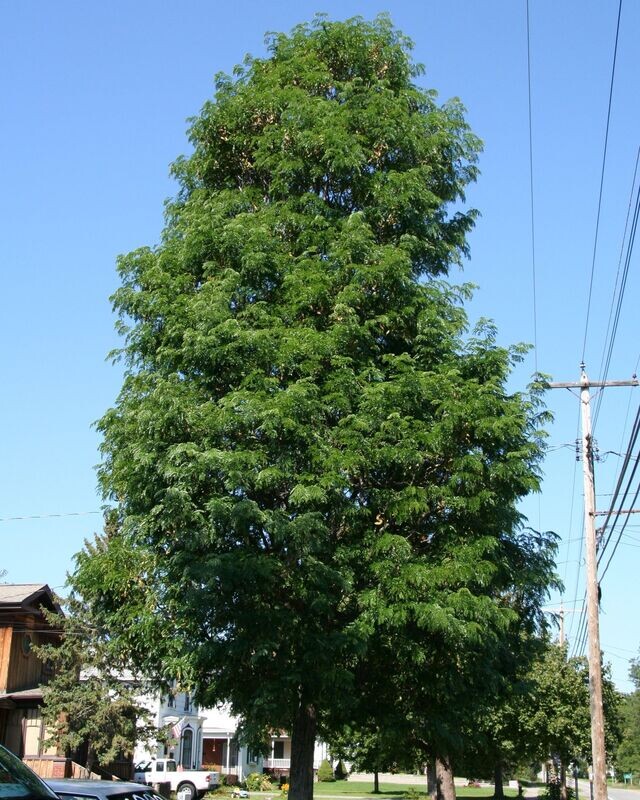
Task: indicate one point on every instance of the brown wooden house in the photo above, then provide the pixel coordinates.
(23, 624)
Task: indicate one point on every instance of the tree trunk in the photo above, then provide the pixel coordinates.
(432, 780)
(91, 758)
(446, 789)
(498, 791)
(563, 781)
(303, 739)
(376, 782)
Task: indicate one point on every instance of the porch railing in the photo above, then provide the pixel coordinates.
(277, 763)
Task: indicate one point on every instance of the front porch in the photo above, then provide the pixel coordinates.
(222, 755)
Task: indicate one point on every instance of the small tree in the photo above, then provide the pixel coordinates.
(325, 772)
(341, 771)
(90, 706)
(554, 715)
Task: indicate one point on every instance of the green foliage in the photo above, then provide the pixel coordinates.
(258, 782)
(555, 714)
(554, 791)
(89, 706)
(325, 772)
(340, 772)
(316, 467)
(628, 756)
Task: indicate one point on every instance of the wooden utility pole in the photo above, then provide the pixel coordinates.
(593, 626)
(599, 764)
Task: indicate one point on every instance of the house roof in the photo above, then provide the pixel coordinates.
(28, 697)
(24, 694)
(26, 597)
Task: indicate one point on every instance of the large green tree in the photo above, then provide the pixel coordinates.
(310, 456)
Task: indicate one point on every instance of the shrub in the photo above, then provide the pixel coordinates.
(257, 782)
(325, 772)
(341, 771)
(553, 791)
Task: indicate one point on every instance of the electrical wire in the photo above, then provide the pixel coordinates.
(50, 516)
(621, 293)
(581, 636)
(604, 371)
(635, 432)
(573, 495)
(624, 525)
(533, 229)
(602, 171)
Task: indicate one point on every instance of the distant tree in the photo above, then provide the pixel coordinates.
(315, 464)
(555, 715)
(340, 771)
(91, 707)
(628, 756)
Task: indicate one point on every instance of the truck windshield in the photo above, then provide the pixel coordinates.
(17, 780)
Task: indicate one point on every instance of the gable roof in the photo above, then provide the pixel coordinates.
(26, 597)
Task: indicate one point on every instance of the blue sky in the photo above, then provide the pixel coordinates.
(93, 105)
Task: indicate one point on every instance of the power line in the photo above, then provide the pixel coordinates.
(581, 635)
(533, 230)
(602, 171)
(635, 432)
(573, 497)
(624, 525)
(615, 285)
(621, 293)
(50, 516)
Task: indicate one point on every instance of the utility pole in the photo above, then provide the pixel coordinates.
(599, 764)
(559, 616)
(593, 623)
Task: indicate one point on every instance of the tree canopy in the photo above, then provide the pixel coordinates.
(311, 457)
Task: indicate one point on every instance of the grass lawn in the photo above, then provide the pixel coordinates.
(362, 789)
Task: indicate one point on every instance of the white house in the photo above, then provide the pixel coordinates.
(176, 713)
(208, 737)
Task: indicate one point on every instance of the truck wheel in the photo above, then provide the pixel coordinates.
(187, 791)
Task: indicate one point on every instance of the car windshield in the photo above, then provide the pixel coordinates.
(17, 780)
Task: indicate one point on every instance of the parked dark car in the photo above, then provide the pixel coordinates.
(72, 789)
(18, 782)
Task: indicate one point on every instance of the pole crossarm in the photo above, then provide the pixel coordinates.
(591, 384)
(622, 511)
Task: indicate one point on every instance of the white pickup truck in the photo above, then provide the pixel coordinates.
(188, 784)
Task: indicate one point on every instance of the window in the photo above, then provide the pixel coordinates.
(159, 767)
(187, 747)
(278, 749)
(187, 701)
(253, 756)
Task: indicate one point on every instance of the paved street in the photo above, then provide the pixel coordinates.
(622, 794)
(614, 794)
